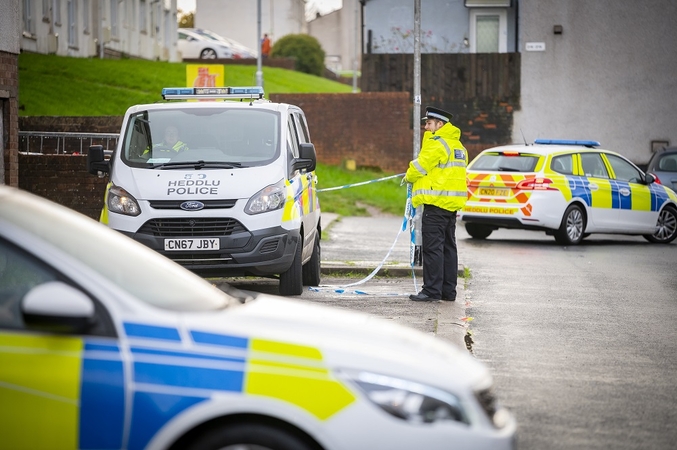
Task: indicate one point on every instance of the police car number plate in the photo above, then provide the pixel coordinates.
(191, 244)
(496, 192)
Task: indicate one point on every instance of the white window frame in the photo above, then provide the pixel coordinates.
(86, 17)
(28, 17)
(143, 16)
(502, 27)
(114, 19)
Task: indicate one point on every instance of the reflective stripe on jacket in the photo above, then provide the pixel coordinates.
(438, 174)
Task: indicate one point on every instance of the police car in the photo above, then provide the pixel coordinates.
(235, 195)
(105, 344)
(567, 188)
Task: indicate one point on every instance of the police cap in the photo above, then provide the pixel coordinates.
(436, 113)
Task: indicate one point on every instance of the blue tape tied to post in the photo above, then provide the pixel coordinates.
(409, 212)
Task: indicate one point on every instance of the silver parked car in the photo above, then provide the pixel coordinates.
(663, 165)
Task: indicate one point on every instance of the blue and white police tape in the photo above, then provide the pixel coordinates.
(408, 216)
(360, 184)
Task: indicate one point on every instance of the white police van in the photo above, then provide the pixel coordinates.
(222, 187)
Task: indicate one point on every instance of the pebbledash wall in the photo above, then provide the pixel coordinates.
(374, 129)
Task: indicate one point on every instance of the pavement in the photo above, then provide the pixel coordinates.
(358, 245)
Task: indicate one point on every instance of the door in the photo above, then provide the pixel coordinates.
(636, 211)
(603, 197)
(66, 387)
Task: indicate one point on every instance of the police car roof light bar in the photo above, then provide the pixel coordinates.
(181, 93)
(567, 142)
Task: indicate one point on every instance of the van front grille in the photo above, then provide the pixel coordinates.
(175, 227)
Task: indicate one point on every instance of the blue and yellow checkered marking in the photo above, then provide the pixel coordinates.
(73, 389)
(579, 188)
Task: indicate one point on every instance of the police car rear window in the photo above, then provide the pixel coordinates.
(500, 162)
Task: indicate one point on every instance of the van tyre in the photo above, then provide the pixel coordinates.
(666, 227)
(249, 436)
(477, 231)
(291, 281)
(311, 270)
(573, 224)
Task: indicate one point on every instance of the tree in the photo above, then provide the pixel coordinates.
(305, 49)
(186, 20)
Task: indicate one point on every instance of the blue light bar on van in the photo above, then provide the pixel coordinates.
(182, 93)
(567, 142)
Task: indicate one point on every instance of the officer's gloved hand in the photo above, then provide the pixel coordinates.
(404, 181)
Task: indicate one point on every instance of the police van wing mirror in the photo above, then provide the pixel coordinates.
(307, 158)
(96, 161)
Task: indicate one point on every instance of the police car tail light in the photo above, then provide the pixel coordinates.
(122, 202)
(408, 400)
(536, 184)
(267, 199)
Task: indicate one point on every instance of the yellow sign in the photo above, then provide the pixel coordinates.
(204, 75)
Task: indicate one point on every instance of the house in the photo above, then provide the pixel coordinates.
(135, 28)
(10, 32)
(340, 35)
(601, 70)
(238, 20)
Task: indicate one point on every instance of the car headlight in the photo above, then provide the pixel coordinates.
(122, 202)
(267, 199)
(409, 400)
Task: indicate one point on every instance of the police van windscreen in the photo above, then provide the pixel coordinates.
(237, 136)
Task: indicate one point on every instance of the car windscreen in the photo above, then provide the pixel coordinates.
(134, 268)
(236, 137)
(505, 163)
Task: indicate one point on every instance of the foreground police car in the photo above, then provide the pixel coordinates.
(568, 189)
(235, 197)
(105, 344)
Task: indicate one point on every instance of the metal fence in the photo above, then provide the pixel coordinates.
(51, 142)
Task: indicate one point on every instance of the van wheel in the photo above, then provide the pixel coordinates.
(248, 436)
(478, 231)
(571, 230)
(291, 281)
(666, 227)
(311, 270)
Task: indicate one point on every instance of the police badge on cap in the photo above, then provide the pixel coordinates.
(436, 113)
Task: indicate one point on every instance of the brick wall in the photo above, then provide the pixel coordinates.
(372, 128)
(63, 179)
(9, 91)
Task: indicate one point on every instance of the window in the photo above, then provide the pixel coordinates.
(624, 170)
(19, 273)
(593, 166)
(488, 31)
(72, 6)
(28, 18)
(143, 12)
(114, 32)
(292, 139)
(57, 12)
(85, 17)
(563, 164)
(45, 10)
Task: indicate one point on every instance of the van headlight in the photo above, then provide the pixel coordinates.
(409, 400)
(267, 199)
(122, 202)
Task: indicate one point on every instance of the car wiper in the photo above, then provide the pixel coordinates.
(507, 169)
(197, 165)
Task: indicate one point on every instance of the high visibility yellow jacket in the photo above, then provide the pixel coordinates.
(438, 174)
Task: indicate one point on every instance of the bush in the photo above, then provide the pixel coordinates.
(305, 49)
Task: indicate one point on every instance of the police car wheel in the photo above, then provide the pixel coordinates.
(291, 281)
(477, 231)
(571, 230)
(666, 227)
(311, 270)
(245, 436)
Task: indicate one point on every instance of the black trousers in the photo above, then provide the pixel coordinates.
(440, 254)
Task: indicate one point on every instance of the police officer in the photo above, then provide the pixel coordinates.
(439, 184)
(170, 143)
